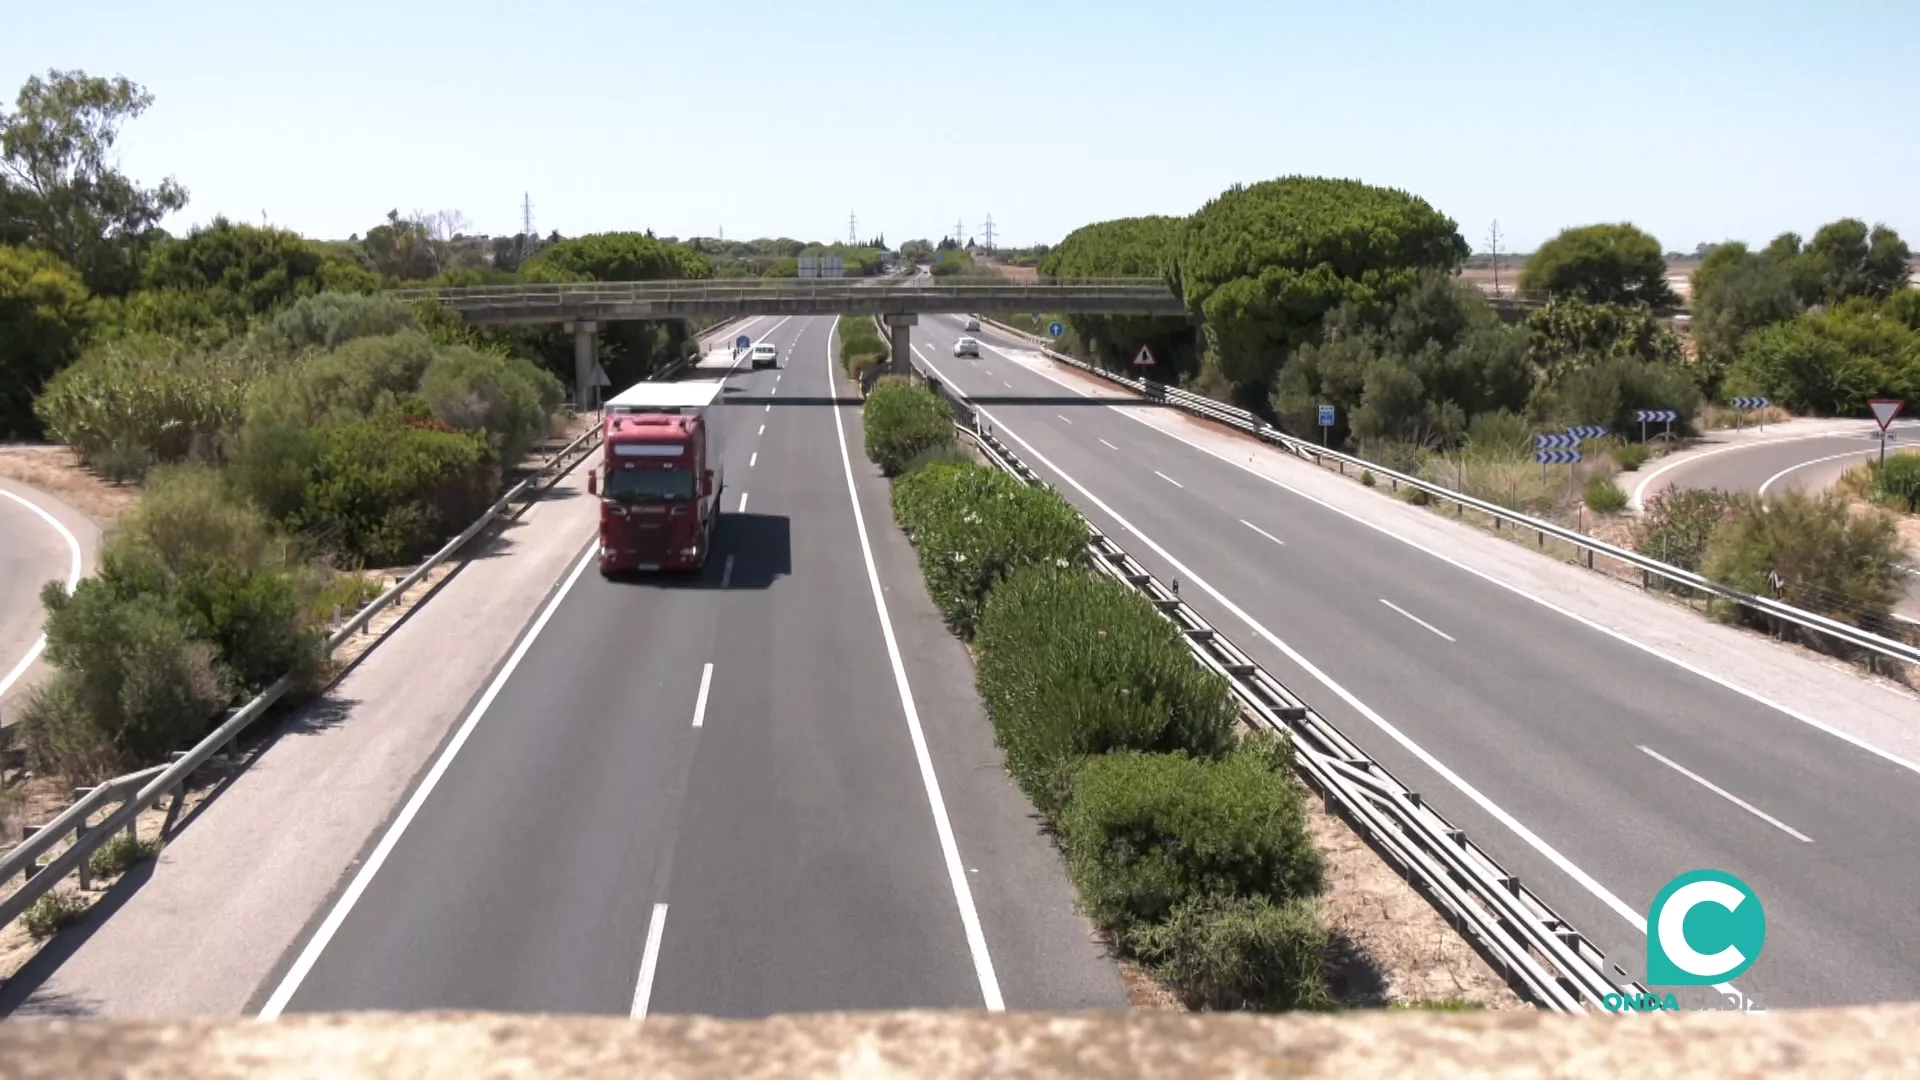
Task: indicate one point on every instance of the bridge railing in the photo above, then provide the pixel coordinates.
(724, 287)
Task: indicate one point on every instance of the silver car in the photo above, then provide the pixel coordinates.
(966, 346)
(973, 323)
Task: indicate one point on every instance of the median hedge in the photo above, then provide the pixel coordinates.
(903, 422)
(1073, 663)
(974, 525)
(1186, 843)
(861, 346)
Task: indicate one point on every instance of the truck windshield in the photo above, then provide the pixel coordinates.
(649, 485)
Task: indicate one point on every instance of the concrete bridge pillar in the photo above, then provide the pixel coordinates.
(901, 343)
(586, 353)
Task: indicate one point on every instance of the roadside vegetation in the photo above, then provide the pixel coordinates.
(862, 349)
(1186, 841)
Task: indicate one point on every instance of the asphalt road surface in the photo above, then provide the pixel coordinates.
(1610, 769)
(707, 796)
(35, 548)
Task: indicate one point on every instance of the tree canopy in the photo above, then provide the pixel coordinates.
(1126, 247)
(1602, 264)
(45, 318)
(59, 188)
(1263, 265)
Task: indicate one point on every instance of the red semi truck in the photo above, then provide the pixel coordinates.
(660, 492)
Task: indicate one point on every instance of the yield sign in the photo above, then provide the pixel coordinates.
(1143, 358)
(1885, 409)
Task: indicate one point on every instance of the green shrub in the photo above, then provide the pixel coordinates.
(362, 377)
(1898, 481)
(1366, 478)
(1677, 524)
(150, 395)
(1146, 833)
(51, 913)
(330, 319)
(132, 682)
(1604, 496)
(508, 398)
(1241, 953)
(946, 453)
(861, 345)
(901, 422)
(1074, 663)
(973, 525)
(383, 492)
(1630, 456)
(1831, 560)
(120, 854)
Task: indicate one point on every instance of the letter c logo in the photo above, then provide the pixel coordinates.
(1739, 923)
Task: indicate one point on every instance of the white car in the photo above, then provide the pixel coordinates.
(765, 355)
(966, 346)
(973, 323)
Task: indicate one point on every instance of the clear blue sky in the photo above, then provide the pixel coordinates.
(1697, 120)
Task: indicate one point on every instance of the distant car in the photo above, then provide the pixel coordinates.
(966, 346)
(765, 355)
(973, 323)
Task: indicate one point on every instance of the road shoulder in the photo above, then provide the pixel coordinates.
(203, 929)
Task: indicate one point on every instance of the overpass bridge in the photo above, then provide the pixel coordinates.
(899, 301)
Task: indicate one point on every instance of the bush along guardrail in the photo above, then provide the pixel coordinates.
(1208, 944)
(1874, 646)
(134, 793)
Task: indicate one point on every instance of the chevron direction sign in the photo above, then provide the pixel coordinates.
(1556, 457)
(1655, 416)
(1543, 442)
(1592, 432)
(1751, 403)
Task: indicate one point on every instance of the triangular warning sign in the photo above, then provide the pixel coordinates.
(1144, 358)
(1885, 409)
(600, 376)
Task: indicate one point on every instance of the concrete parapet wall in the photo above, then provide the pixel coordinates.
(1858, 1044)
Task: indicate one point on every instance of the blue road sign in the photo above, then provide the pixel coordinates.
(1543, 442)
(1055, 329)
(1751, 403)
(1556, 457)
(1326, 416)
(1590, 432)
(742, 341)
(1655, 416)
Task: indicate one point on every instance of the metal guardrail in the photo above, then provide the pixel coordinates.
(1876, 645)
(1543, 957)
(137, 792)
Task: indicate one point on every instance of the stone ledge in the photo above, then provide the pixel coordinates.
(1857, 1043)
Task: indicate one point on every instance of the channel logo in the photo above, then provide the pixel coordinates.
(1705, 927)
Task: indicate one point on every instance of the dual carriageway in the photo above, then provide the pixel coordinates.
(768, 789)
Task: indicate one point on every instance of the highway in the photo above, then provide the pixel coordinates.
(736, 795)
(36, 546)
(1591, 768)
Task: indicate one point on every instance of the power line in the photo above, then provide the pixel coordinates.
(988, 230)
(959, 234)
(853, 239)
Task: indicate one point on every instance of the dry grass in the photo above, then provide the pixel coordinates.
(1720, 417)
(55, 469)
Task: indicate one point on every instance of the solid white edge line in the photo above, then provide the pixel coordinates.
(706, 684)
(1725, 794)
(316, 945)
(1684, 665)
(1416, 618)
(649, 962)
(1639, 490)
(76, 566)
(1528, 836)
(1168, 479)
(1263, 532)
(949, 848)
(1769, 481)
(726, 574)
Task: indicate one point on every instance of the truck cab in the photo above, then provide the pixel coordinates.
(660, 478)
